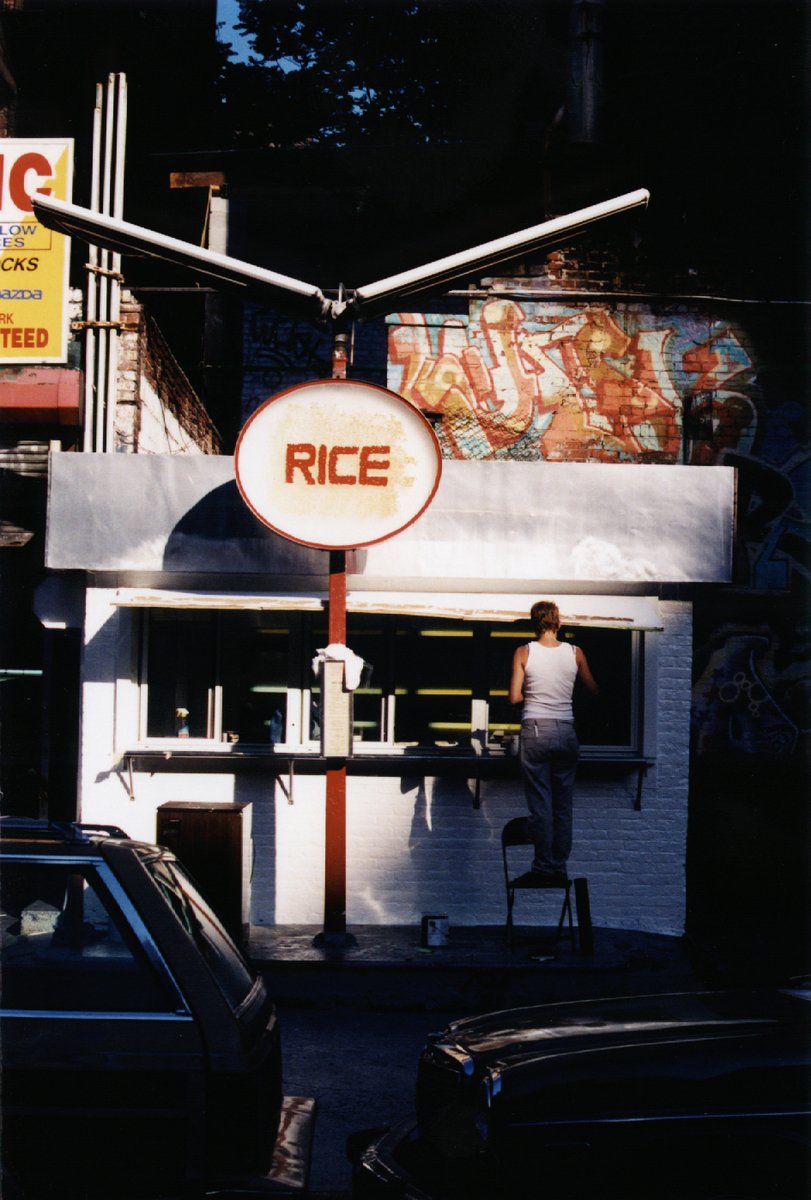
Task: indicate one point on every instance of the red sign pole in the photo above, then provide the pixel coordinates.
(272, 461)
(334, 931)
(335, 831)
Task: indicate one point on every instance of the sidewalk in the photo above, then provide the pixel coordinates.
(386, 967)
(354, 1019)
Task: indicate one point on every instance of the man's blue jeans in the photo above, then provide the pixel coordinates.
(549, 753)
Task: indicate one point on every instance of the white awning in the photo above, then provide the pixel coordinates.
(513, 526)
(607, 612)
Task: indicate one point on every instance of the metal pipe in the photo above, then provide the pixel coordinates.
(91, 309)
(102, 416)
(372, 298)
(335, 784)
(584, 91)
(117, 203)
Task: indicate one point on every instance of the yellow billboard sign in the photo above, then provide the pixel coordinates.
(33, 259)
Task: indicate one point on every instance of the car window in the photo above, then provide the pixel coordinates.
(233, 975)
(67, 947)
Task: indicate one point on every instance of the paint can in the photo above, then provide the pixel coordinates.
(434, 930)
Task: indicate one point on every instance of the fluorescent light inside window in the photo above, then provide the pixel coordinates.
(444, 692)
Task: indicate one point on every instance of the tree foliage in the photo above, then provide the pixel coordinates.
(396, 71)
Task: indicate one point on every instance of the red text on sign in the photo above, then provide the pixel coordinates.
(15, 188)
(24, 339)
(364, 465)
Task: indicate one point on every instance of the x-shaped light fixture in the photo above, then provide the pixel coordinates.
(373, 299)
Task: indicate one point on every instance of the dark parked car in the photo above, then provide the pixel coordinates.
(141, 1053)
(679, 1096)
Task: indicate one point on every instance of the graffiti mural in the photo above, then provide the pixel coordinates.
(634, 382)
(575, 383)
(279, 352)
(752, 695)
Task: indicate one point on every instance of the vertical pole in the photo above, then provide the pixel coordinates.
(334, 932)
(583, 905)
(104, 420)
(335, 831)
(91, 398)
(117, 202)
(340, 354)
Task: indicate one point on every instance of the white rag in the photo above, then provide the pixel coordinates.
(336, 652)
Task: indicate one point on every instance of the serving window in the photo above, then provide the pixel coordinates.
(247, 677)
(217, 675)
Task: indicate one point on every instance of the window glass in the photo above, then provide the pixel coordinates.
(232, 973)
(317, 640)
(504, 719)
(369, 637)
(417, 685)
(254, 657)
(611, 720)
(66, 947)
(426, 682)
(433, 682)
(182, 653)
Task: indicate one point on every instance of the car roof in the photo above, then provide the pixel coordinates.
(29, 835)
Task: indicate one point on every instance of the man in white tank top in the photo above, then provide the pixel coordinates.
(544, 673)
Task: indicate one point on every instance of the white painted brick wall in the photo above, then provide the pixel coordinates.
(413, 846)
(160, 431)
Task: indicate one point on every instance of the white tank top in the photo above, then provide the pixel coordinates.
(549, 678)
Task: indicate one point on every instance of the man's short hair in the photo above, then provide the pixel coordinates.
(544, 615)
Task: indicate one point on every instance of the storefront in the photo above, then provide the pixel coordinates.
(201, 625)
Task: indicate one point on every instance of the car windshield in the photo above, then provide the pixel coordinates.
(233, 975)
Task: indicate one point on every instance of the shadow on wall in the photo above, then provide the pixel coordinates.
(261, 872)
(747, 881)
(445, 844)
(221, 535)
(748, 878)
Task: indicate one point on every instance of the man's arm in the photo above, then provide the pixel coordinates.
(584, 674)
(517, 677)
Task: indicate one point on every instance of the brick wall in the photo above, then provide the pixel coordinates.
(279, 351)
(591, 380)
(417, 846)
(157, 410)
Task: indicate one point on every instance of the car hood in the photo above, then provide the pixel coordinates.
(556, 1030)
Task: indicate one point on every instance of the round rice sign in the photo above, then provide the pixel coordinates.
(337, 464)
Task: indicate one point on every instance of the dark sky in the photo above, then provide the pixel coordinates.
(705, 102)
(711, 100)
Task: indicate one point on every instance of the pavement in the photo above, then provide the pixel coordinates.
(355, 1013)
(388, 967)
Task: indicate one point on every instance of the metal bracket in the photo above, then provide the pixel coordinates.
(96, 270)
(643, 770)
(119, 325)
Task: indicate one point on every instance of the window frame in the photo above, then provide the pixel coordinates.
(302, 688)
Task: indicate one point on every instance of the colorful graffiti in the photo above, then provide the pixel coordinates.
(733, 707)
(590, 383)
(752, 694)
(636, 383)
